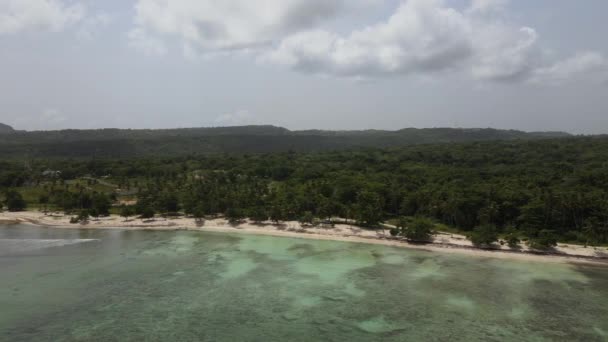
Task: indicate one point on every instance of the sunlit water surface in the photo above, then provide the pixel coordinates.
(93, 285)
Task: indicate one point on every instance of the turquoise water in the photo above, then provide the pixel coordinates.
(91, 285)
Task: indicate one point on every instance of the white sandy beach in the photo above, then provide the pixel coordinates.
(451, 243)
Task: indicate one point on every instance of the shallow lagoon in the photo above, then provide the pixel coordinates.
(105, 285)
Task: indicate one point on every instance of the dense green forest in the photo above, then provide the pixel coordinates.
(117, 143)
(542, 190)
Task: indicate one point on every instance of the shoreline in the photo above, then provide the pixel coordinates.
(443, 243)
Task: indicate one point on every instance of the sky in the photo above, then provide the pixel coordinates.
(327, 64)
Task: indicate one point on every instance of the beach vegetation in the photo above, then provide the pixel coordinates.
(420, 229)
(520, 188)
(14, 201)
(484, 235)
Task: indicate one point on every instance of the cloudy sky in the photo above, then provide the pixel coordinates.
(329, 64)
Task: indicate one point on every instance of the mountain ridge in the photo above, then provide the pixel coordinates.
(278, 130)
(6, 128)
(112, 142)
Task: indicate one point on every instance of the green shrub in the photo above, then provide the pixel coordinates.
(545, 239)
(484, 235)
(420, 229)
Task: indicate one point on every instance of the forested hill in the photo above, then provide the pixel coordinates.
(539, 190)
(6, 128)
(116, 143)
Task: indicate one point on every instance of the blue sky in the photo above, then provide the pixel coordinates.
(329, 64)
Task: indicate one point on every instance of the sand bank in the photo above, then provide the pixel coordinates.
(451, 243)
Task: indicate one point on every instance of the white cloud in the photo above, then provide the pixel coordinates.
(425, 36)
(230, 24)
(419, 37)
(238, 118)
(32, 15)
(487, 6)
(148, 44)
(504, 54)
(91, 27)
(588, 64)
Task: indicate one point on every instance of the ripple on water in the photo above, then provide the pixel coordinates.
(378, 325)
(428, 268)
(395, 259)
(271, 248)
(13, 246)
(519, 312)
(239, 267)
(601, 332)
(461, 303)
(353, 290)
(305, 302)
(523, 273)
(332, 265)
(178, 245)
(226, 288)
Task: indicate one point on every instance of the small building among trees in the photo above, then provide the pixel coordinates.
(51, 174)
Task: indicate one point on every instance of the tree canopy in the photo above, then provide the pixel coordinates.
(539, 191)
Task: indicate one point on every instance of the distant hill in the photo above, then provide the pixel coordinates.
(6, 129)
(116, 143)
